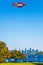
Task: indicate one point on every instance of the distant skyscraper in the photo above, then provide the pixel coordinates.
(25, 49)
(36, 51)
(33, 50)
(30, 49)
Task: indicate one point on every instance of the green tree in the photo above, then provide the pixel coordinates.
(4, 52)
(17, 54)
(41, 52)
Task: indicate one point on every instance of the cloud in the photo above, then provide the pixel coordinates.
(23, 41)
(26, 41)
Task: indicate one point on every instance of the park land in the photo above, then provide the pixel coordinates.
(17, 64)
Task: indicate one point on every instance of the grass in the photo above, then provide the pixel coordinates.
(21, 64)
(17, 64)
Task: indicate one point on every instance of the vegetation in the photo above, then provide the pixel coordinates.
(17, 54)
(38, 63)
(41, 52)
(5, 53)
(17, 64)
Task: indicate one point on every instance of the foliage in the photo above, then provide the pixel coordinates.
(17, 54)
(41, 52)
(4, 52)
(38, 63)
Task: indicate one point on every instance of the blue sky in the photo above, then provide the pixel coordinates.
(22, 27)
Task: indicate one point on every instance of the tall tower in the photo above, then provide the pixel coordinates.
(30, 49)
(25, 50)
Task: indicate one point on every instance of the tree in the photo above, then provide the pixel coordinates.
(17, 54)
(4, 52)
(41, 52)
(13, 54)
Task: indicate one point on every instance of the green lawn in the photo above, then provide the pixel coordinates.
(17, 64)
(21, 64)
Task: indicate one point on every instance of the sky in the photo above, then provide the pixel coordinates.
(22, 27)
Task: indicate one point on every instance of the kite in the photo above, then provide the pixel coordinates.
(19, 4)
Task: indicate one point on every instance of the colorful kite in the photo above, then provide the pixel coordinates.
(19, 4)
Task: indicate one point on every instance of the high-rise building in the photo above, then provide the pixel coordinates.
(30, 49)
